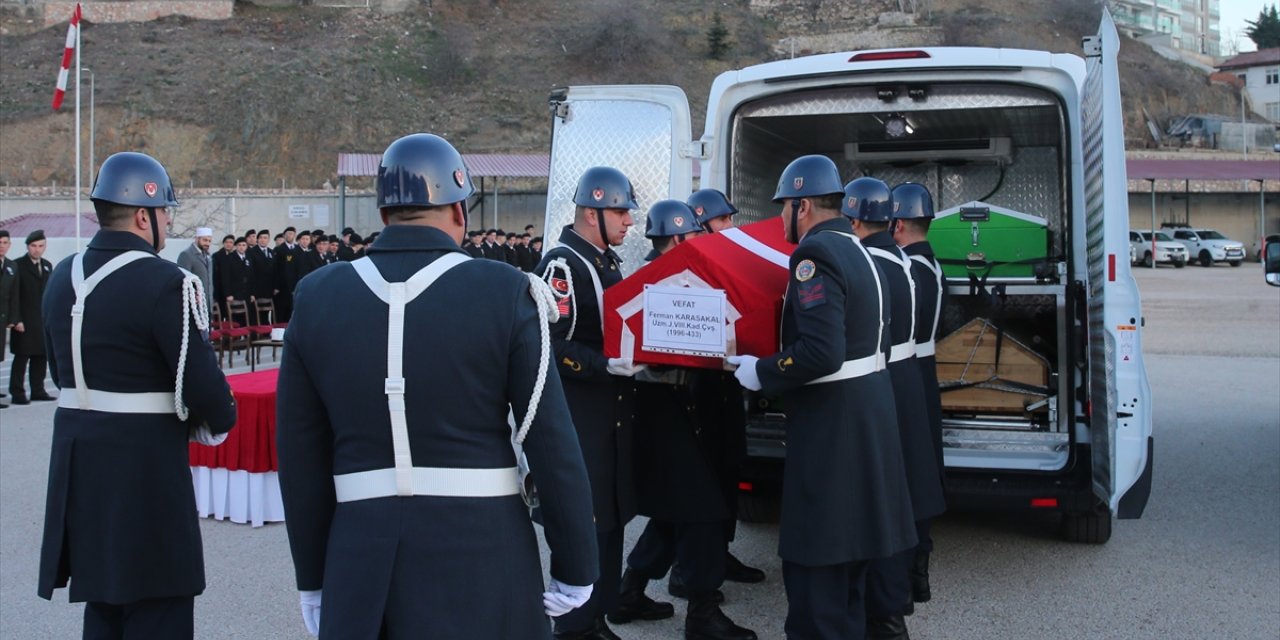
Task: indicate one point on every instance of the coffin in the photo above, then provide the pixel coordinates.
(971, 379)
(749, 263)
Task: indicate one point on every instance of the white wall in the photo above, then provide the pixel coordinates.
(1260, 93)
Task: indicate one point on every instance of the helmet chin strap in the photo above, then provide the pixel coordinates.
(155, 228)
(795, 214)
(604, 233)
(466, 220)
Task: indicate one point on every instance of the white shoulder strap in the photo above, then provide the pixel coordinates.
(862, 250)
(83, 287)
(595, 282)
(397, 295)
(898, 257)
(937, 307)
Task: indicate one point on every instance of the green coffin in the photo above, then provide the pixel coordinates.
(981, 239)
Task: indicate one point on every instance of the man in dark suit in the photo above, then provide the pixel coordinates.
(678, 466)
(26, 340)
(522, 254)
(869, 203)
(120, 519)
(237, 277)
(845, 497)
(228, 247)
(345, 252)
(262, 259)
(405, 515)
(599, 390)
(286, 274)
(308, 259)
(8, 298)
(472, 245)
(492, 247)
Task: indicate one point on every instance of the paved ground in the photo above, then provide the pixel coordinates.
(1203, 562)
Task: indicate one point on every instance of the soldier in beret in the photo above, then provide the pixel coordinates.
(26, 339)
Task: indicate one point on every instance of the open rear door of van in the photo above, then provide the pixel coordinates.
(643, 130)
(1119, 394)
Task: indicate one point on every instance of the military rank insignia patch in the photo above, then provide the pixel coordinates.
(812, 293)
(805, 270)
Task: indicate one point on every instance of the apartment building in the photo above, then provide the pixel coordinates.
(1190, 25)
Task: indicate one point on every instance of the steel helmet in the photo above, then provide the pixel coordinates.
(667, 218)
(867, 199)
(422, 170)
(912, 200)
(709, 204)
(808, 176)
(134, 180)
(605, 188)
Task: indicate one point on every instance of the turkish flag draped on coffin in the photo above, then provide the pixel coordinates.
(750, 263)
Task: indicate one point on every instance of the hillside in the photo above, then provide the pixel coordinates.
(275, 94)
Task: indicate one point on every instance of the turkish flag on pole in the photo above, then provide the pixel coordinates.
(72, 31)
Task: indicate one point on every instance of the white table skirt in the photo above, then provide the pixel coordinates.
(238, 495)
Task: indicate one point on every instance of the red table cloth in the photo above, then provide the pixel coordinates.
(251, 445)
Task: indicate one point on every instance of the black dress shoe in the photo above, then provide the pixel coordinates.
(677, 589)
(705, 621)
(890, 628)
(600, 631)
(735, 571)
(633, 604)
(42, 397)
(20, 399)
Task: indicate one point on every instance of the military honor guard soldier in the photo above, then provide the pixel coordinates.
(868, 202)
(845, 497)
(8, 299)
(913, 212)
(120, 516)
(679, 478)
(599, 390)
(405, 512)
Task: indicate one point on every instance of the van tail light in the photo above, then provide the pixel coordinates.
(878, 56)
(746, 486)
(1044, 503)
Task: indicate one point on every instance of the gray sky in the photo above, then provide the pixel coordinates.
(1232, 21)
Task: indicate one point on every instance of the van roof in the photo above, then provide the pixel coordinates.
(937, 58)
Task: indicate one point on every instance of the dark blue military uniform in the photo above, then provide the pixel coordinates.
(845, 496)
(426, 566)
(120, 516)
(601, 405)
(888, 589)
(927, 310)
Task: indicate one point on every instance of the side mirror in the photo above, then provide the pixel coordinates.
(1271, 260)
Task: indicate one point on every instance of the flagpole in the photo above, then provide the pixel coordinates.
(77, 134)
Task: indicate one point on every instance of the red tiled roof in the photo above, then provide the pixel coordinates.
(55, 225)
(1226, 77)
(1252, 59)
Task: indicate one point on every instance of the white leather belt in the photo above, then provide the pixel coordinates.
(112, 402)
(925, 349)
(429, 481)
(902, 351)
(853, 369)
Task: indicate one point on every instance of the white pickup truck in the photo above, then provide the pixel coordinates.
(1208, 246)
(1166, 249)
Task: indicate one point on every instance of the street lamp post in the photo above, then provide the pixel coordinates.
(92, 130)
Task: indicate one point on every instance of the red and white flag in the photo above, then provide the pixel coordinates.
(73, 30)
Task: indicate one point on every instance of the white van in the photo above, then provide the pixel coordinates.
(1030, 131)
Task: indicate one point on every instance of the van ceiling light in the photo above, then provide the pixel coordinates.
(902, 54)
(887, 94)
(897, 127)
(984, 150)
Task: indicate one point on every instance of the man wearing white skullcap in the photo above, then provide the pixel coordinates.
(195, 259)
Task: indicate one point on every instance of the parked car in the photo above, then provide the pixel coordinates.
(1208, 246)
(1167, 251)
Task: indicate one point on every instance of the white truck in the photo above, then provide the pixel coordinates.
(1207, 246)
(1030, 131)
(1157, 249)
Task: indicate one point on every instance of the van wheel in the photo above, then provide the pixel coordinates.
(758, 508)
(1206, 260)
(1092, 528)
(1178, 264)
(1146, 259)
(1234, 263)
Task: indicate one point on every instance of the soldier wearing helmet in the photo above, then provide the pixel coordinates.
(678, 479)
(870, 204)
(845, 499)
(599, 390)
(404, 495)
(118, 321)
(714, 211)
(910, 226)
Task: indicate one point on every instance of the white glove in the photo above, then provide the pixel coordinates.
(202, 435)
(746, 371)
(624, 367)
(311, 611)
(560, 598)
